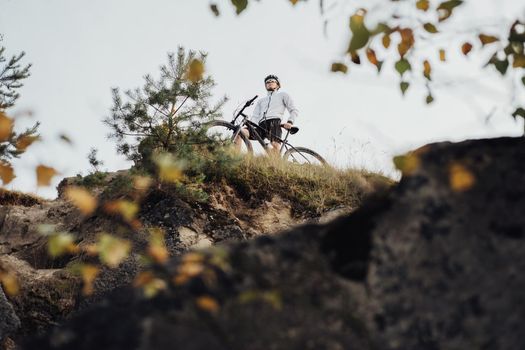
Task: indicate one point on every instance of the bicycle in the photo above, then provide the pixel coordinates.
(226, 132)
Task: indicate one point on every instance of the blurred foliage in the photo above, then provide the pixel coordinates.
(409, 27)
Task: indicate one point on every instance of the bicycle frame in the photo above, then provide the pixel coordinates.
(285, 145)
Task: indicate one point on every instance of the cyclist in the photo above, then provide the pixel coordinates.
(269, 112)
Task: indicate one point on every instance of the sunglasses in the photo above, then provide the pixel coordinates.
(271, 81)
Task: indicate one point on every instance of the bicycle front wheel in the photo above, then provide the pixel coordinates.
(223, 132)
(302, 155)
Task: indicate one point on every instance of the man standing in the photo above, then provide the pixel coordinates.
(269, 112)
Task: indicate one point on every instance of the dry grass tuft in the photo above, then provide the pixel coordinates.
(19, 198)
(309, 188)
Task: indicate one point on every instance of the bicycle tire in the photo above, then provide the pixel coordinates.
(301, 155)
(229, 130)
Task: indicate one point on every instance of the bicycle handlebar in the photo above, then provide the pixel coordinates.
(249, 103)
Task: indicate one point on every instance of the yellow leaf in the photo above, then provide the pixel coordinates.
(519, 61)
(44, 174)
(88, 273)
(193, 258)
(294, 2)
(207, 303)
(190, 266)
(407, 41)
(25, 141)
(427, 69)
(113, 250)
(386, 41)
(461, 179)
(423, 5)
(7, 173)
(60, 243)
(150, 284)
(371, 55)
(157, 246)
(81, 199)
(169, 169)
(466, 48)
(9, 283)
(442, 55)
(125, 208)
(6, 127)
(408, 164)
(195, 70)
(142, 183)
(487, 39)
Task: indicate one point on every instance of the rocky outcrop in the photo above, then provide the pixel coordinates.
(49, 292)
(433, 264)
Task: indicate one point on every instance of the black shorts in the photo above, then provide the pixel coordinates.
(269, 129)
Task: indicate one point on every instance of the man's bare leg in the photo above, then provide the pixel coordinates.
(275, 150)
(238, 140)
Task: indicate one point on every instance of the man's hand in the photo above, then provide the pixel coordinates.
(287, 126)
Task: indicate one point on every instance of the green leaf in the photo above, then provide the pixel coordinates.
(215, 9)
(402, 66)
(339, 67)
(523, 80)
(240, 5)
(445, 8)
(429, 27)
(360, 33)
(519, 112)
(429, 99)
(500, 65)
(381, 28)
(404, 86)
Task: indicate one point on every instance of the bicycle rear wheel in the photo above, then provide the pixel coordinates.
(222, 132)
(302, 155)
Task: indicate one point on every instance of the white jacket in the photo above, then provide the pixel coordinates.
(273, 107)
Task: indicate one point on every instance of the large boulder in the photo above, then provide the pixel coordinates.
(448, 255)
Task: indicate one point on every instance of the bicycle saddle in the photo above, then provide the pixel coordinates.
(294, 129)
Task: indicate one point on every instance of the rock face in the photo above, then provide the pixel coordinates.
(9, 322)
(433, 264)
(49, 292)
(446, 262)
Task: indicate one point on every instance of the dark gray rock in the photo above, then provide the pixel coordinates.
(446, 267)
(9, 321)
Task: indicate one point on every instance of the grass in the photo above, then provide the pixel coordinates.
(18, 198)
(310, 189)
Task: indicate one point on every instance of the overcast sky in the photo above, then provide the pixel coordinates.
(81, 49)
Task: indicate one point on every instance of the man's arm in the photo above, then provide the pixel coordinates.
(256, 115)
(290, 106)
